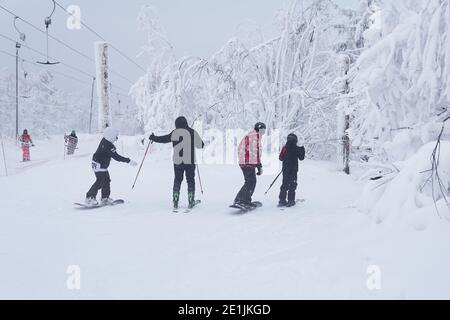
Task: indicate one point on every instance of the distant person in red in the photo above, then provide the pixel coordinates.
(26, 141)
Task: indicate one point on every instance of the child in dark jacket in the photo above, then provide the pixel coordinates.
(100, 164)
(290, 155)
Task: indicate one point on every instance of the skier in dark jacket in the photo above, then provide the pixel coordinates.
(100, 163)
(185, 140)
(290, 155)
(71, 142)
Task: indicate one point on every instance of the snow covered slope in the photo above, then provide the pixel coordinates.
(320, 249)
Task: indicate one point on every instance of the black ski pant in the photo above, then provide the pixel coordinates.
(102, 182)
(289, 186)
(246, 193)
(180, 170)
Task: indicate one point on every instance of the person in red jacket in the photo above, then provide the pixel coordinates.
(26, 141)
(249, 153)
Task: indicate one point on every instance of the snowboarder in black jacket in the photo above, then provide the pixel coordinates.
(185, 140)
(100, 163)
(290, 155)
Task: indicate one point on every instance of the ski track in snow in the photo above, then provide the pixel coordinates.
(319, 249)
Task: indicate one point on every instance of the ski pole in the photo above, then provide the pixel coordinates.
(273, 182)
(199, 179)
(4, 157)
(142, 163)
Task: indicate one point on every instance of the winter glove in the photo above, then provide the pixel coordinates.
(152, 137)
(260, 170)
(133, 163)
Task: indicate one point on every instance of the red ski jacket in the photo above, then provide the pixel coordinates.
(25, 138)
(250, 150)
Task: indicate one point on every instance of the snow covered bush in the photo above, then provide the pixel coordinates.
(409, 195)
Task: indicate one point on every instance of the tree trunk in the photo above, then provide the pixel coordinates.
(344, 123)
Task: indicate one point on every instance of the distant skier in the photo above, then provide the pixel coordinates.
(249, 153)
(26, 141)
(100, 163)
(290, 155)
(71, 142)
(185, 140)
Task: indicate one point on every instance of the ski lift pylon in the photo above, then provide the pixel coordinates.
(48, 22)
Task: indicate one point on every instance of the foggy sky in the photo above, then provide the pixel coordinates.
(197, 27)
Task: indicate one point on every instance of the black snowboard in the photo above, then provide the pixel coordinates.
(86, 207)
(244, 209)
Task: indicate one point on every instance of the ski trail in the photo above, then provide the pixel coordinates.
(321, 248)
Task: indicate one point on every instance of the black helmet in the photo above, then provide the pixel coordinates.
(260, 126)
(292, 138)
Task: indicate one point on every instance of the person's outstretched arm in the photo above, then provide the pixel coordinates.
(161, 139)
(113, 153)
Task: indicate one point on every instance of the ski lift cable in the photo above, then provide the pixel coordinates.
(41, 66)
(88, 85)
(62, 42)
(43, 54)
(62, 62)
(50, 36)
(99, 36)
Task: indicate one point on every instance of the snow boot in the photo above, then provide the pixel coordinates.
(91, 202)
(107, 202)
(291, 204)
(282, 203)
(176, 199)
(191, 199)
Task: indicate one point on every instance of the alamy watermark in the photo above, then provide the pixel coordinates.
(73, 281)
(373, 282)
(74, 21)
(229, 147)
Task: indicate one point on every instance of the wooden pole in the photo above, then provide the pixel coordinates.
(101, 60)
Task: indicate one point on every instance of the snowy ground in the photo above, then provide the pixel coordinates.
(321, 249)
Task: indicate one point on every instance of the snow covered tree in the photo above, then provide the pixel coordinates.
(40, 103)
(400, 84)
(289, 82)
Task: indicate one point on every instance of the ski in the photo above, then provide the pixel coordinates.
(187, 210)
(86, 207)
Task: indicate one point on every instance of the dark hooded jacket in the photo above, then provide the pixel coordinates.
(290, 155)
(105, 151)
(183, 138)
